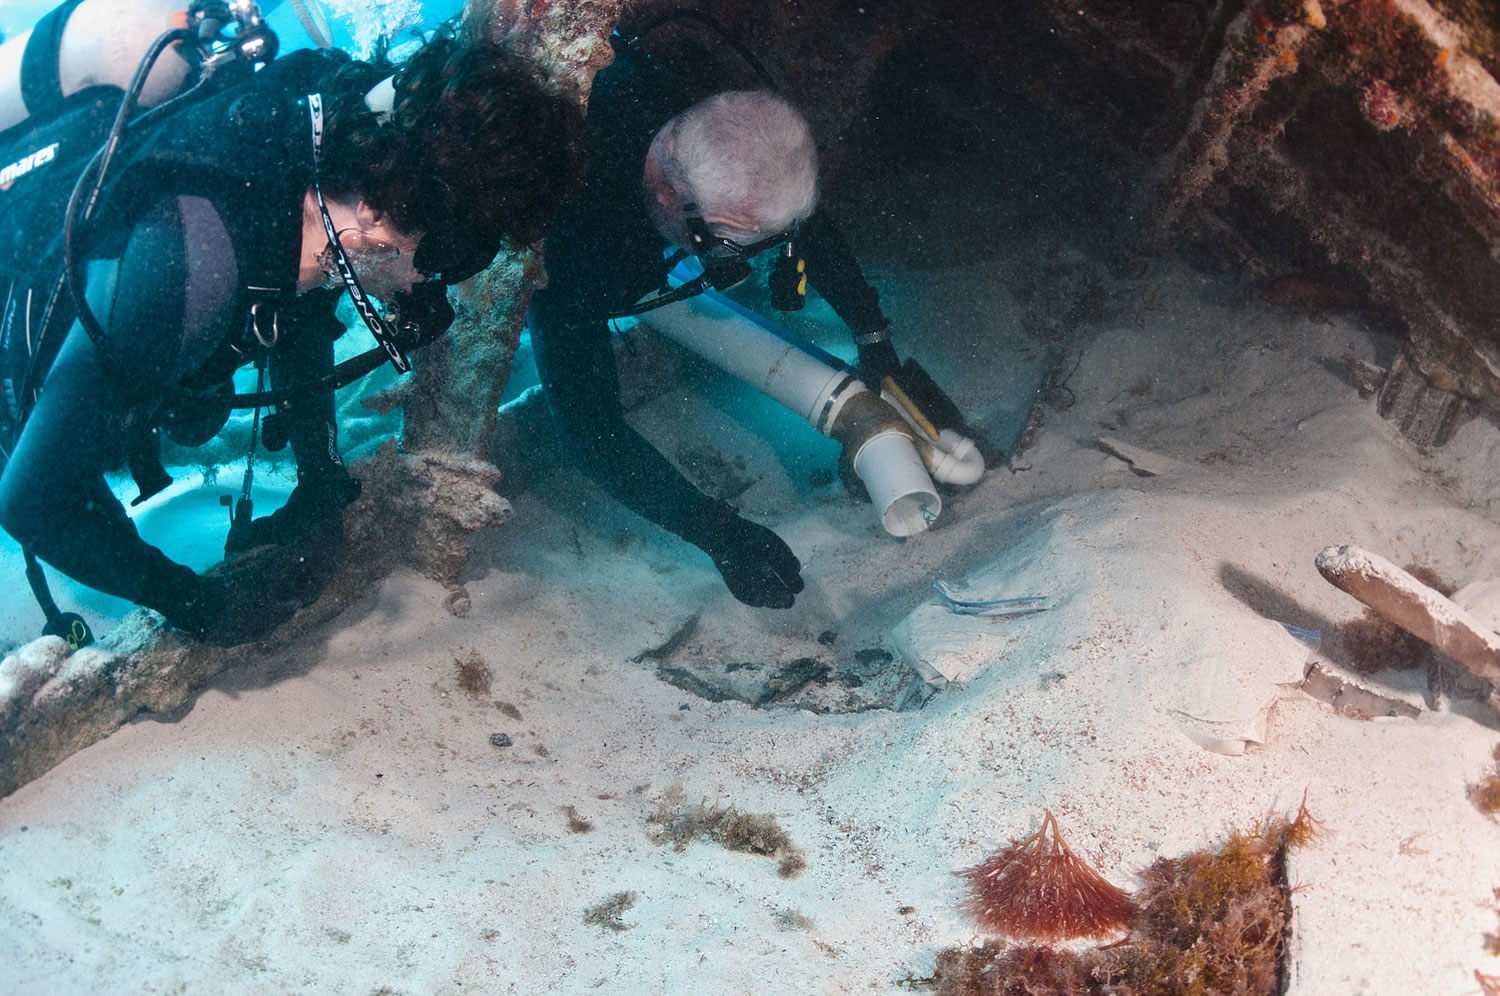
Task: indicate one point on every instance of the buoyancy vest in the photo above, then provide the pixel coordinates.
(245, 148)
(247, 151)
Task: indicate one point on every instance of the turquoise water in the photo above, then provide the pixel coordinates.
(17, 16)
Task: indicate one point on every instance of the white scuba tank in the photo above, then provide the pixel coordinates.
(102, 44)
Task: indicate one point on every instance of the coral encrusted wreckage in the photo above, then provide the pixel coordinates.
(1352, 146)
(1371, 129)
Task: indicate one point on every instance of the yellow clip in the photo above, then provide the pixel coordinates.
(890, 386)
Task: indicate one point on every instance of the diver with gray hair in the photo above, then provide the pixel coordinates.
(746, 158)
(681, 165)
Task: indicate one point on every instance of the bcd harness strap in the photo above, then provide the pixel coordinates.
(41, 89)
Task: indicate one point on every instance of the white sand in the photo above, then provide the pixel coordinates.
(338, 821)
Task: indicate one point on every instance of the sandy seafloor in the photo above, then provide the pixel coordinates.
(336, 819)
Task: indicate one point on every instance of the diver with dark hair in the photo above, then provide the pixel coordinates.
(677, 158)
(224, 236)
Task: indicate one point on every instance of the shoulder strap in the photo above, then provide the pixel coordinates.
(41, 89)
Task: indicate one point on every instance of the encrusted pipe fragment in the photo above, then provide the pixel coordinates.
(1416, 608)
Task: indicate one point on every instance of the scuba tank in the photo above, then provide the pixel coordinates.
(88, 43)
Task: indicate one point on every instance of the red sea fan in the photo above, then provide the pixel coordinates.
(1039, 890)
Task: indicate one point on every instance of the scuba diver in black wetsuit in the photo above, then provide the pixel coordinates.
(675, 159)
(223, 237)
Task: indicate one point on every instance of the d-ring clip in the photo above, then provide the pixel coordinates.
(255, 319)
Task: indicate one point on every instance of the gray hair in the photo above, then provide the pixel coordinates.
(747, 152)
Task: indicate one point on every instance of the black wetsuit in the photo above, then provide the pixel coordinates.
(172, 288)
(603, 254)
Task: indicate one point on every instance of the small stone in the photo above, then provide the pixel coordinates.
(499, 740)
(458, 603)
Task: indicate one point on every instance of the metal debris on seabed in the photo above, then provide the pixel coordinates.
(1008, 607)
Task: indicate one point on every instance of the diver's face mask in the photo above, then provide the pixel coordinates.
(726, 262)
(380, 264)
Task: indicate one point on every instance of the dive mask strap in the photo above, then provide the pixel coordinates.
(381, 329)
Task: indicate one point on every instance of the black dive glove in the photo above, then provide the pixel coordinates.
(230, 604)
(300, 546)
(313, 515)
(878, 360)
(758, 568)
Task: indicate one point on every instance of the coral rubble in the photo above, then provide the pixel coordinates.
(1212, 921)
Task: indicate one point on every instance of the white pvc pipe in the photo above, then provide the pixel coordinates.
(741, 343)
(737, 343)
(898, 483)
(956, 460)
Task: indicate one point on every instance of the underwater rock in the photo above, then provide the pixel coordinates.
(452, 397)
(421, 504)
(25, 671)
(450, 402)
(1373, 129)
(568, 42)
(53, 704)
(421, 508)
(703, 662)
(1357, 137)
(1142, 462)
